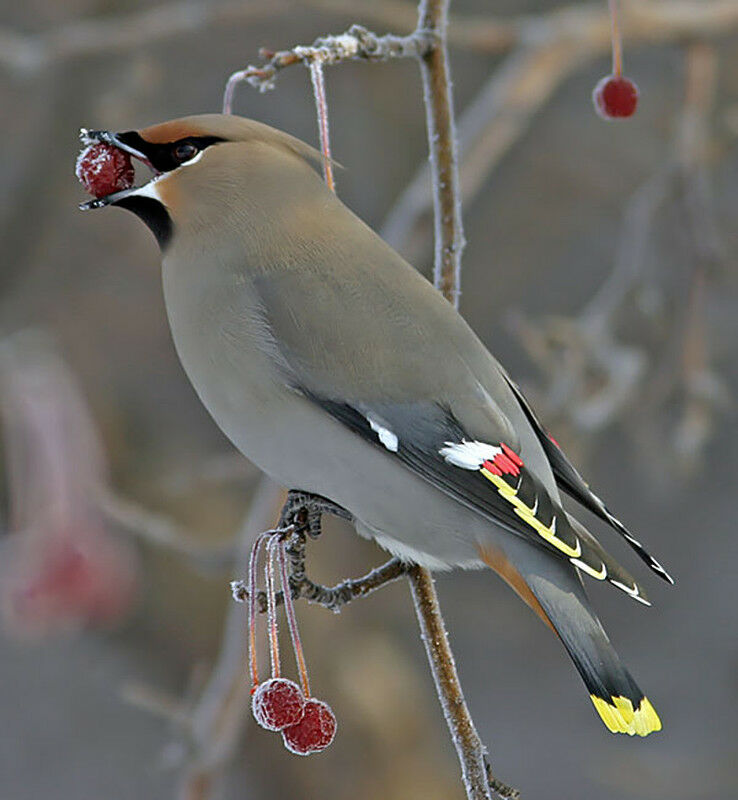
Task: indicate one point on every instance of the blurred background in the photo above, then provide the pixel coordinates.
(600, 269)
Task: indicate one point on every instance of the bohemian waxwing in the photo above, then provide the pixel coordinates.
(339, 370)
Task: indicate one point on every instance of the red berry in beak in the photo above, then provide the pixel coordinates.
(103, 169)
(615, 97)
(278, 703)
(314, 732)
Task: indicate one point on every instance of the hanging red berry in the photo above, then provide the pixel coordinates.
(314, 732)
(615, 97)
(103, 169)
(277, 703)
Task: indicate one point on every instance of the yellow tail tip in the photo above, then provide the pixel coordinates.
(619, 715)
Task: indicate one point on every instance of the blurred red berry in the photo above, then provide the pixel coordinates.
(103, 169)
(277, 703)
(615, 97)
(314, 732)
(67, 580)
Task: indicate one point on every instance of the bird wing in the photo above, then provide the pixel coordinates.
(487, 476)
(569, 480)
(395, 364)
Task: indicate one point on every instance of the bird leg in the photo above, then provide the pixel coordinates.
(301, 517)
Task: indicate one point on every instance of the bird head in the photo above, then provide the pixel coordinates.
(203, 167)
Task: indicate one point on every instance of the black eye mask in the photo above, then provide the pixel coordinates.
(162, 156)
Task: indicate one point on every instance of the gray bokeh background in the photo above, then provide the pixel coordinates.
(541, 238)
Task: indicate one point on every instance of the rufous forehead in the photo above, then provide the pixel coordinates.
(171, 131)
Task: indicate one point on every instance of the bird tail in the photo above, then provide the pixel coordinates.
(616, 696)
(555, 592)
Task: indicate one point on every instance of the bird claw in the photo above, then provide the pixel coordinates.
(303, 511)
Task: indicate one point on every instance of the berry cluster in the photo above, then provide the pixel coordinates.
(307, 724)
(614, 96)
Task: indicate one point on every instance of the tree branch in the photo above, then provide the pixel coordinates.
(477, 775)
(442, 147)
(330, 597)
(449, 243)
(356, 44)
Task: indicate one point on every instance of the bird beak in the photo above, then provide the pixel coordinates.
(122, 142)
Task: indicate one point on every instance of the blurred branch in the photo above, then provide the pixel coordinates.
(162, 531)
(122, 32)
(703, 393)
(647, 21)
(495, 119)
(221, 468)
(548, 49)
(592, 376)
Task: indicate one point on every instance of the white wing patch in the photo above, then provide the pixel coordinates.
(469, 455)
(385, 435)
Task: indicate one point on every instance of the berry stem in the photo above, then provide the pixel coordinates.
(617, 44)
(253, 559)
(292, 620)
(316, 76)
(272, 608)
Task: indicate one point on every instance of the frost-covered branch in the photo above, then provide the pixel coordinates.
(442, 148)
(330, 597)
(449, 243)
(356, 44)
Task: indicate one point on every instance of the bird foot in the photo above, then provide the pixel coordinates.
(303, 511)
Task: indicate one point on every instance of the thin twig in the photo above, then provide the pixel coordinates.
(357, 43)
(330, 597)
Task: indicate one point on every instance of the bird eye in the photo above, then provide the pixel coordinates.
(184, 152)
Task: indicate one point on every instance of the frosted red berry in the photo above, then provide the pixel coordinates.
(314, 732)
(103, 169)
(615, 97)
(278, 703)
